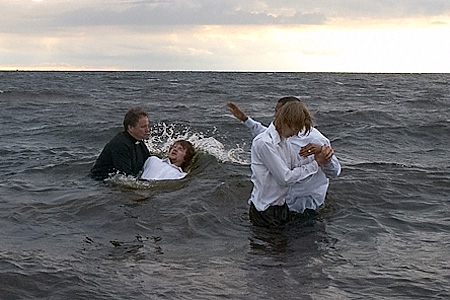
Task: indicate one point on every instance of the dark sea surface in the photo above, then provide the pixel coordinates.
(384, 232)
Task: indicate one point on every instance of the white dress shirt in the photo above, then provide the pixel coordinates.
(275, 167)
(156, 168)
(310, 192)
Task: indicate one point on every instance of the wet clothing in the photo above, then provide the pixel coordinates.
(123, 154)
(273, 216)
(309, 193)
(156, 168)
(275, 167)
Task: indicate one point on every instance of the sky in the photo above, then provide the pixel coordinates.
(401, 36)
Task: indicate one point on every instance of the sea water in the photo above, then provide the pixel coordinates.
(382, 234)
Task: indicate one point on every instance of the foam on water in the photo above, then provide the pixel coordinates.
(164, 135)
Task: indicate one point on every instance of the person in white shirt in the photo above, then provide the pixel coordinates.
(308, 194)
(276, 165)
(173, 167)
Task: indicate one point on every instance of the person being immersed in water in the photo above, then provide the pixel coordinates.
(173, 167)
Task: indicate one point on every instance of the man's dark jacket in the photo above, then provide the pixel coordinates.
(124, 154)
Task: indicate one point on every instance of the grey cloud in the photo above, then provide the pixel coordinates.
(165, 14)
(50, 16)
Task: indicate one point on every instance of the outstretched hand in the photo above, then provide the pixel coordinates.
(236, 111)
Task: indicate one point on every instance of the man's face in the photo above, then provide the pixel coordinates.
(177, 154)
(141, 130)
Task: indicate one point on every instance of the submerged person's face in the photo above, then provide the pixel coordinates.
(177, 154)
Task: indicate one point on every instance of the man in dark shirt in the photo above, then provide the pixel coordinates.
(126, 153)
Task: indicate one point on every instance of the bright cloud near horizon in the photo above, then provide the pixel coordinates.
(411, 36)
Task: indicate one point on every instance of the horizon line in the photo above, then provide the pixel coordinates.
(205, 71)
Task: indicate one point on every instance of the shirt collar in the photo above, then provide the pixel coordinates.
(166, 160)
(135, 141)
(276, 138)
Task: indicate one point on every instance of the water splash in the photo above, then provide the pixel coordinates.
(164, 135)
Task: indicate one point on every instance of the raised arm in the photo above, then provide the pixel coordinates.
(252, 125)
(236, 111)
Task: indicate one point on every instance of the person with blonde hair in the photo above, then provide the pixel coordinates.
(308, 195)
(276, 166)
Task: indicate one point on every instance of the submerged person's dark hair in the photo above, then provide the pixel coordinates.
(133, 116)
(190, 152)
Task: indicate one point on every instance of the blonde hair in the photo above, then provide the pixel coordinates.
(295, 115)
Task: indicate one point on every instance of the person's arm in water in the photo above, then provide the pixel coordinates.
(254, 127)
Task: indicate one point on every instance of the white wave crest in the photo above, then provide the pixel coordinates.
(164, 135)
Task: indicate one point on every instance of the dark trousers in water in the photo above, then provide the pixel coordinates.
(277, 216)
(273, 216)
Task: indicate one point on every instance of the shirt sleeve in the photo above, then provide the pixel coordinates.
(333, 168)
(254, 126)
(278, 168)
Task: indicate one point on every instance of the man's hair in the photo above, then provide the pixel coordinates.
(190, 152)
(133, 116)
(285, 100)
(295, 115)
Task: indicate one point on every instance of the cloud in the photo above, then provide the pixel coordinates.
(24, 16)
(27, 16)
(308, 35)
